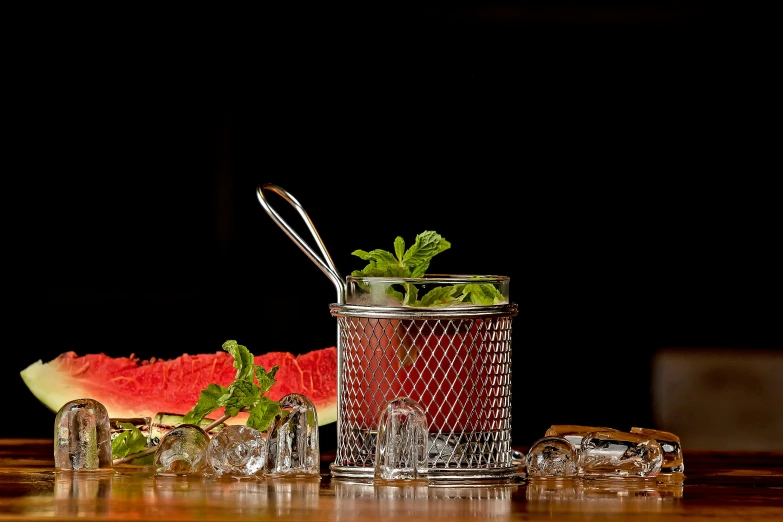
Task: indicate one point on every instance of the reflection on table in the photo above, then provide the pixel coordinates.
(718, 486)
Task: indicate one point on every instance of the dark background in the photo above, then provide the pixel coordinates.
(603, 156)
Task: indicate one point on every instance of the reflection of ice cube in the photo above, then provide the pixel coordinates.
(551, 457)
(445, 448)
(620, 454)
(83, 496)
(292, 441)
(401, 452)
(294, 496)
(183, 451)
(237, 451)
(82, 436)
(540, 493)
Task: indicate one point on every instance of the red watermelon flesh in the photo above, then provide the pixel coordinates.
(129, 387)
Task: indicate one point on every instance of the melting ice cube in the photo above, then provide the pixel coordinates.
(573, 433)
(292, 441)
(82, 436)
(620, 454)
(551, 457)
(182, 451)
(401, 450)
(237, 451)
(672, 451)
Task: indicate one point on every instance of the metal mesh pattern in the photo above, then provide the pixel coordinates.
(456, 365)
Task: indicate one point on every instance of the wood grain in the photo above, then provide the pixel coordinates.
(718, 486)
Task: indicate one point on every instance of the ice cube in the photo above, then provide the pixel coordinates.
(620, 454)
(401, 450)
(552, 457)
(673, 465)
(573, 433)
(182, 451)
(82, 436)
(237, 451)
(292, 441)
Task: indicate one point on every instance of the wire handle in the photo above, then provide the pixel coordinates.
(325, 263)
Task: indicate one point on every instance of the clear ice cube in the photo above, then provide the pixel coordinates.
(82, 436)
(573, 433)
(620, 454)
(292, 441)
(672, 451)
(552, 457)
(182, 451)
(237, 451)
(401, 450)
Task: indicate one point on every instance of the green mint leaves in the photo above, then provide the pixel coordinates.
(243, 395)
(246, 394)
(132, 440)
(476, 294)
(414, 263)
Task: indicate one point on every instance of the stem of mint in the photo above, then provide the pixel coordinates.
(153, 449)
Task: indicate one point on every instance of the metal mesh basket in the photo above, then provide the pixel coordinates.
(455, 362)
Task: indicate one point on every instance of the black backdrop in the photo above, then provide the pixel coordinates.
(604, 166)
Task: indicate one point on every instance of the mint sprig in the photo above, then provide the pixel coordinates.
(246, 394)
(414, 263)
(243, 395)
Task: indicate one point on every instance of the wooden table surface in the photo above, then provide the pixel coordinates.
(718, 487)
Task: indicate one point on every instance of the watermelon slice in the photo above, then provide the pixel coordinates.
(128, 387)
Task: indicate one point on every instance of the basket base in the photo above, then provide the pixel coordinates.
(439, 477)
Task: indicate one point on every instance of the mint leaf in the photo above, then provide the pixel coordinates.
(420, 269)
(399, 247)
(266, 380)
(411, 294)
(241, 394)
(444, 295)
(262, 413)
(485, 294)
(243, 360)
(474, 293)
(428, 244)
(132, 440)
(210, 399)
(399, 296)
(403, 263)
